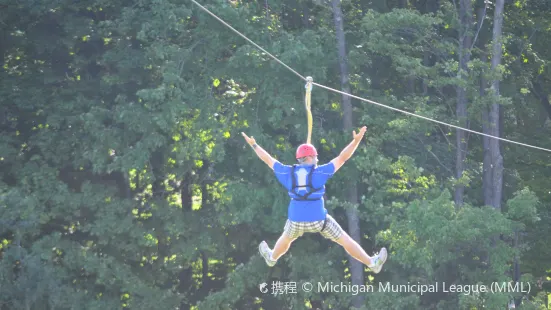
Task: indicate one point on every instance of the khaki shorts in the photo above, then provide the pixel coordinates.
(331, 231)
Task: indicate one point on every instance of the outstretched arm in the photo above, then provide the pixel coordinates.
(347, 152)
(260, 152)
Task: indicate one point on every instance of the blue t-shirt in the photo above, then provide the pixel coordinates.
(304, 210)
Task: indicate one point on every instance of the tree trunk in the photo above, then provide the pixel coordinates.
(305, 15)
(186, 194)
(516, 266)
(465, 41)
(494, 113)
(206, 283)
(493, 167)
(185, 277)
(356, 268)
(487, 163)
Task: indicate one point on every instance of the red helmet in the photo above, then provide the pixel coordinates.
(306, 150)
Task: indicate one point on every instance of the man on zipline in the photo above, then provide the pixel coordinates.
(305, 184)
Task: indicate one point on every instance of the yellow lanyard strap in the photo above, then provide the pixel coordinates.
(307, 102)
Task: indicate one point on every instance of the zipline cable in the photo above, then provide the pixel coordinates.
(430, 119)
(250, 41)
(366, 100)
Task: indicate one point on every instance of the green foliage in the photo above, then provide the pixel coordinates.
(126, 185)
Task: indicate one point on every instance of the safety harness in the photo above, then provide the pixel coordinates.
(308, 185)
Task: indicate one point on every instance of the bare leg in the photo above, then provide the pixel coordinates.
(354, 249)
(282, 246)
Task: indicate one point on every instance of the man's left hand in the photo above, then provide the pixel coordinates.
(250, 140)
(358, 136)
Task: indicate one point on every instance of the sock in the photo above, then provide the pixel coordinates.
(272, 255)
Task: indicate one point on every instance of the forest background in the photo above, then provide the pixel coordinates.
(125, 183)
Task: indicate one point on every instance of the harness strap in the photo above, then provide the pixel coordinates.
(294, 178)
(324, 224)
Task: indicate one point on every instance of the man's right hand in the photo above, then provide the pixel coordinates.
(260, 152)
(358, 136)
